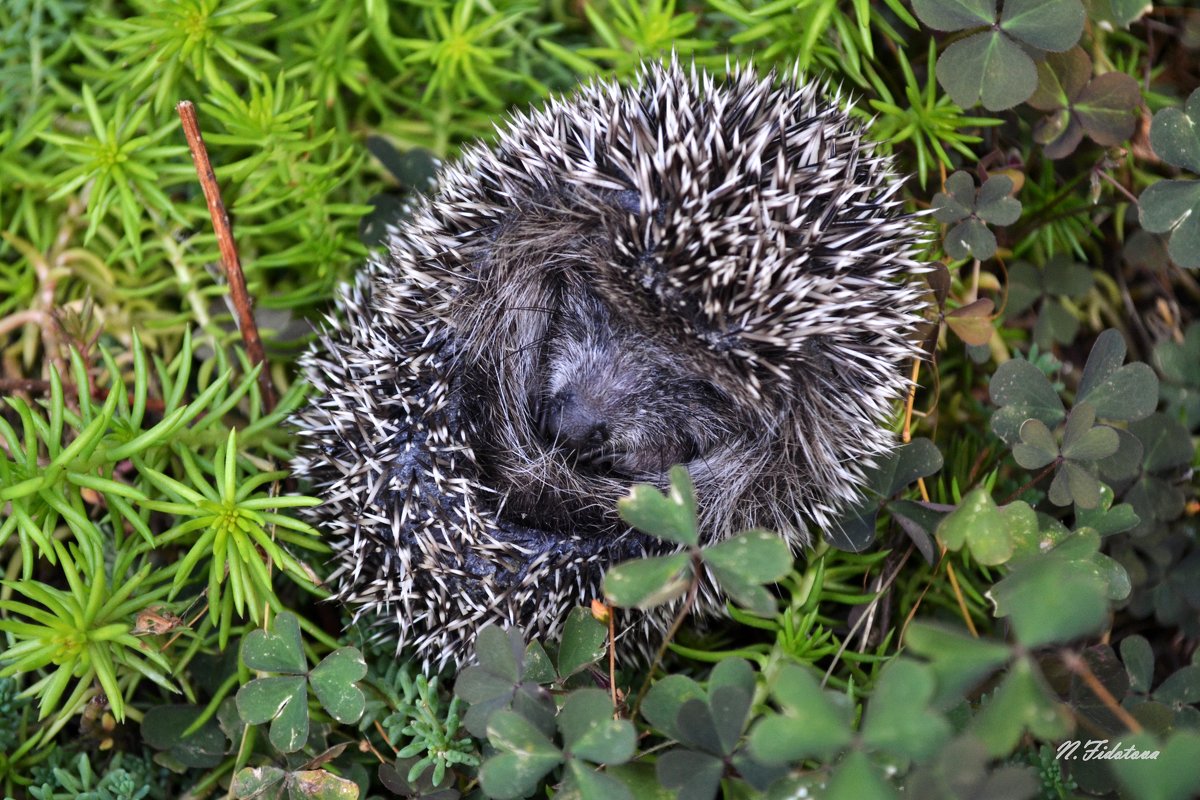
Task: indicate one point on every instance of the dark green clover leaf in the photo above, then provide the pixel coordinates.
(978, 524)
(504, 679)
(1071, 579)
(333, 682)
(584, 641)
(277, 650)
(1156, 496)
(1104, 107)
(1121, 393)
(1170, 776)
(590, 732)
(743, 563)
(893, 473)
(709, 725)
(664, 700)
(1107, 519)
(1173, 206)
(589, 735)
(969, 211)
(163, 728)
(690, 773)
(958, 661)
(740, 564)
(991, 62)
(898, 719)
(1118, 13)
(1139, 663)
(1083, 445)
(526, 755)
(1047, 288)
(856, 777)
(282, 699)
(648, 582)
(671, 516)
(961, 770)
(1022, 391)
(1179, 364)
(1022, 703)
(811, 723)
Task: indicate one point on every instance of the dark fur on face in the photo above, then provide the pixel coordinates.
(581, 383)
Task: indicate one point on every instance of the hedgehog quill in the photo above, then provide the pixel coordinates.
(713, 271)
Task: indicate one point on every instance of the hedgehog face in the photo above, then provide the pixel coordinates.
(618, 398)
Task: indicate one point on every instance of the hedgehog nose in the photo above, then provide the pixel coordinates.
(573, 422)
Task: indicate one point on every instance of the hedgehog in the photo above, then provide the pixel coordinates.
(697, 269)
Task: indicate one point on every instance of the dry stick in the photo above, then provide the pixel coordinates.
(697, 567)
(1079, 667)
(229, 256)
(885, 586)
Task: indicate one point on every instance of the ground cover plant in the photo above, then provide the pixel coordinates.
(1022, 576)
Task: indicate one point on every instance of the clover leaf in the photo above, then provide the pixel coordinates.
(979, 525)
(992, 63)
(708, 725)
(970, 210)
(508, 677)
(1023, 702)
(898, 723)
(1083, 445)
(811, 722)
(893, 473)
(590, 736)
(1156, 495)
(1173, 206)
(282, 699)
(740, 564)
(1179, 363)
(1061, 278)
(1104, 107)
(1022, 391)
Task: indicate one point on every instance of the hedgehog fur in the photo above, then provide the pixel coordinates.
(697, 269)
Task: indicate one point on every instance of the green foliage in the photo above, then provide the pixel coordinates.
(1054, 289)
(992, 62)
(1174, 206)
(1103, 107)
(282, 698)
(84, 631)
(970, 210)
(739, 565)
(148, 524)
(433, 741)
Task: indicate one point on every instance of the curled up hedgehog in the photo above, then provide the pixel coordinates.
(705, 270)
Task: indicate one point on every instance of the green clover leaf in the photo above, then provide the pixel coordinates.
(992, 63)
(970, 210)
(1173, 206)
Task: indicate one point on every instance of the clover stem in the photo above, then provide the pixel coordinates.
(680, 616)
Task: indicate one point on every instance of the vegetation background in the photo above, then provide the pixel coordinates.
(1025, 571)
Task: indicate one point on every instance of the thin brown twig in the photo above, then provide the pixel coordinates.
(1079, 667)
(697, 575)
(1118, 185)
(883, 587)
(1036, 479)
(229, 256)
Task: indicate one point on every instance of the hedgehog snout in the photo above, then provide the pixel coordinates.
(574, 421)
